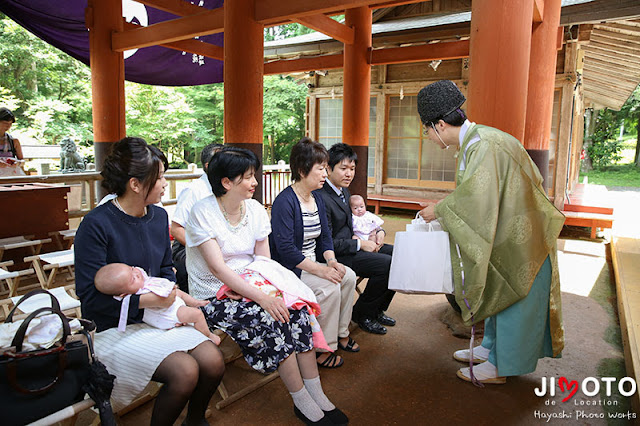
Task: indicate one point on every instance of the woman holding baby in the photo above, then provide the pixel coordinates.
(132, 230)
(225, 233)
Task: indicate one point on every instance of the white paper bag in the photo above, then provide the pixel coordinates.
(421, 263)
(419, 225)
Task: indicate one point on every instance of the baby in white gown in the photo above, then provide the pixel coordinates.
(365, 224)
(121, 281)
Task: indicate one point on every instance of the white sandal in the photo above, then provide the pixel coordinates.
(480, 354)
(486, 373)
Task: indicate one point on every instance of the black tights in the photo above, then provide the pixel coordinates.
(188, 377)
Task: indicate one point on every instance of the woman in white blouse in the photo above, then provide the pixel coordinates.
(223, 234)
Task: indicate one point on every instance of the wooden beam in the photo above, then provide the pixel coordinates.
(397, 55)
(538, 10)
(275, 12)
(205, 23)
(600, 10)
(613, 73)
(427, 52)
(616, 34)
(192, 46)
(594, 49)
(606, 65)
(605, 79)
(304, 64)
(328, 26)
(177, 7)
(614, 60)
(614, 42)
(596, 87)
(604, 101)
(614, 48)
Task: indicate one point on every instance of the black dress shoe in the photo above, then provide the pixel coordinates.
(324, 421)
(386, 320)
(371, 326)
(337, 416)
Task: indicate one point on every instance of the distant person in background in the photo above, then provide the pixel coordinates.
(195, 192)
(10, 149)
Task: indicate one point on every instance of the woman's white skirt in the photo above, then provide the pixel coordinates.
(133, 356)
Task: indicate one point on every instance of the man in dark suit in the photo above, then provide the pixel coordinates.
(365, 257)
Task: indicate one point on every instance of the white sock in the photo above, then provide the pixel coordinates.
(307, 405)
(481, 351)
(315, 390)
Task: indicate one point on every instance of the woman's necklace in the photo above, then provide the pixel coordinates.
(117, 204)
(299, 194)
(226, 215)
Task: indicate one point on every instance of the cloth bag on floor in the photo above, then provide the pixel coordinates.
(421, 262)
(36, 383)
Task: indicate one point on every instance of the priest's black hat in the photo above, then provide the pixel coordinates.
(438, 100)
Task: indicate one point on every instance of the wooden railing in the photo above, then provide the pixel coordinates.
(274, 180)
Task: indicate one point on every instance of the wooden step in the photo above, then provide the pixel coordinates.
(379, 200)
(587, 209)
(588, 220)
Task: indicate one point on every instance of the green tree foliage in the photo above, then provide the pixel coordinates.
(606, 147)
(49, 90)
(284, 109)
(50, 93)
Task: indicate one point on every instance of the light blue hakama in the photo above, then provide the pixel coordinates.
(520, 335)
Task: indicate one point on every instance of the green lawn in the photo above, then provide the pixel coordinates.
(621, 174)
(618, 175)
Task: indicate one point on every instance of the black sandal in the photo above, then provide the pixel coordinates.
(331, 361)
(349, 347)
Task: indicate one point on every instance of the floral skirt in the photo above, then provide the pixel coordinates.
(265, 342)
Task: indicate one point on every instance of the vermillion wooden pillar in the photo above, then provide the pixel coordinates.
(103, 17)
(357, 85)
(542, 74)
(243, 74)
(499, 63)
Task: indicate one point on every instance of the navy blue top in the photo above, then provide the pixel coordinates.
(107, 235)
(287, 230)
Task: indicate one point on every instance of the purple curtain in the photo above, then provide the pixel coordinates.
(61, 24)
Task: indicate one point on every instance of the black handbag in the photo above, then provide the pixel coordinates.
(34, 384)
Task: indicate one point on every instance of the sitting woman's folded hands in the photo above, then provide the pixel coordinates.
(275, 307)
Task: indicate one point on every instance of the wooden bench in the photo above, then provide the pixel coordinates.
(379, 200)
(12, 279)
(20, 242)
(589, 220)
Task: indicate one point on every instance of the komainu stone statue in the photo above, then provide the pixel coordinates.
(70, 159)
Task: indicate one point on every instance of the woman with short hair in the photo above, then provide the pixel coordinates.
(224, 233)
(301, 241)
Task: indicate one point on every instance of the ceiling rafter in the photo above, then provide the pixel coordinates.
(276, 12)
(396, 55)
(328, 26)
(426, 52)
(177, 7)
(205, 23)
(192, 46)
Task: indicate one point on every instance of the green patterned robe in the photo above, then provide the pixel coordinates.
(505, 226)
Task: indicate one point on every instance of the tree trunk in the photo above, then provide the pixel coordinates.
(636, 159)
(590, 125)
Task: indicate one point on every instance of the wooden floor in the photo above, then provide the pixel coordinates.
(626, 258)
(588, 206)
